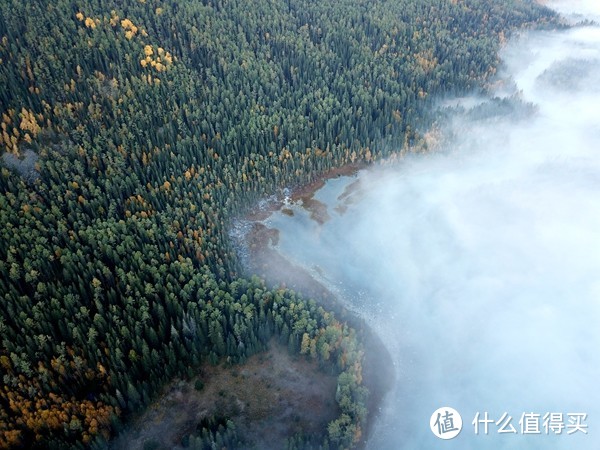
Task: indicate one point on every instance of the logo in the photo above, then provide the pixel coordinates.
(445, 423)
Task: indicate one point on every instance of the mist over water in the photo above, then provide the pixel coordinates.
(479, 264)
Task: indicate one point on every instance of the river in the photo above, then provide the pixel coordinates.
(479, 264)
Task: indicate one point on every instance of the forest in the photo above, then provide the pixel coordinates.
(135, 131)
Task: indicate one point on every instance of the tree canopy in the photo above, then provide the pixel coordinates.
(133, 131)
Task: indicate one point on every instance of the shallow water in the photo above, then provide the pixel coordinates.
(479, 265)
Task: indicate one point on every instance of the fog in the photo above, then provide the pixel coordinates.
(479, 263)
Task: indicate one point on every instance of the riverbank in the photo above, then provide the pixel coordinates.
(265, 261)
(301, 192)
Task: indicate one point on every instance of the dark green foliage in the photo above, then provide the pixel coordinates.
(303, 442)
(115, 265)
(216, 433)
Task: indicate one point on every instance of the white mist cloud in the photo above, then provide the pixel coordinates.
(488, 257)
(577, 9)
(480, 265)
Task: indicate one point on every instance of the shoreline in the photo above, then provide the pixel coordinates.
(379, 373)
(301, 192)
(307, 190)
